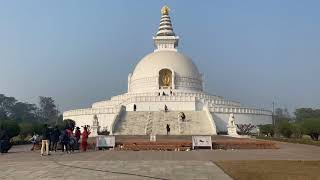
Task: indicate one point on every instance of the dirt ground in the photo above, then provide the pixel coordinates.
(272, 170)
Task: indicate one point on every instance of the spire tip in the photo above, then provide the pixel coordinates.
(165, 10)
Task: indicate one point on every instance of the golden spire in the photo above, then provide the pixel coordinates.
(165, 10)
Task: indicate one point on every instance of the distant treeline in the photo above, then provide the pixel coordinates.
(22, 118)
(306, 121)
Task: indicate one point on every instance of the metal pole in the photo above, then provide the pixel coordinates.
(57, 114)
(273, 121)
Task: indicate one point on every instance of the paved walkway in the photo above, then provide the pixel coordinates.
(111, 170)
(21, 163)
(287, 151)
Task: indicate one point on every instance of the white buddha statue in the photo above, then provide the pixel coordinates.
(95, 126)
(232, 128)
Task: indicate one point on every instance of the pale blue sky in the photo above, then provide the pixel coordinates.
(81, 51)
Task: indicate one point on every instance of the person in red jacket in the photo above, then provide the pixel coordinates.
(85, 134)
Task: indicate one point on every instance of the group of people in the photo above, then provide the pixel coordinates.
(68, 138)
(164, 94)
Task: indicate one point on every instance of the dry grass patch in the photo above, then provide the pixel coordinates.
(272, 170)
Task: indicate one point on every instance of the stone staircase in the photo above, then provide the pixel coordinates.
(141, 123)
(132, 123)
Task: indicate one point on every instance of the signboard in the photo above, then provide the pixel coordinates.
(105, 141)
(153, 138)
(201, 141)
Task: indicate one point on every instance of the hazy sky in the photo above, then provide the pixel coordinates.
(79, 52)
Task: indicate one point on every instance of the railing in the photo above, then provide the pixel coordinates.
(90, 111)
(149, 123)
(136, 99)
(120, 99)
(240, 110)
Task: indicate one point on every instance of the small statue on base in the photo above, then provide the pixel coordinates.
(95, 126)
(232, 128)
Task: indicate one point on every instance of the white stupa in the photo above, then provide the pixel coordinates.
(168, 78)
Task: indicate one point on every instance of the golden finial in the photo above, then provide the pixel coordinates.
(165, 10)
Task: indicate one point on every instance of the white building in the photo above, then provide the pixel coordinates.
(162, 78)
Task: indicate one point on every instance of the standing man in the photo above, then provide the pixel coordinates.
(77, 134)
(168, 129)
(45, 140)
(54, 138)
(64, 140)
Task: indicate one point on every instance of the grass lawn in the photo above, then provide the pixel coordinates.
(275, 170)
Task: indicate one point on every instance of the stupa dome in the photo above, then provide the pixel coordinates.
(165, 69)
(151, 64)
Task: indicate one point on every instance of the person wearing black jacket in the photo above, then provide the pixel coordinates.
(5, 144)
(45, 140)
(54, 138)
(168, 129)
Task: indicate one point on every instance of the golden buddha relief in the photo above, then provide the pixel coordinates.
(165, 78)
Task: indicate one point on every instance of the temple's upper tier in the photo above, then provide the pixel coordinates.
(165, 27)
(165, 38)
(165, 69)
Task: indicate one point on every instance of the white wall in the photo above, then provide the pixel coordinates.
(81, 120)
(221, 120)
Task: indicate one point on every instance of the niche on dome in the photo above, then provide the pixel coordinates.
(165, 79)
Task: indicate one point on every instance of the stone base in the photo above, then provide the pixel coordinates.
(232, 131)
(94, 131)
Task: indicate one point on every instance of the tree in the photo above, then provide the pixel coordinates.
(37, 127)
(245, 129)
(285, 128)
(26, 128)
(306, 113)
(6, 106)
(11, 127)
(10, 108)
(48, 110)
(24, 112)
(282, 113)
(281, 116)
(297, 130)
(311, 127)
(266, 129)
